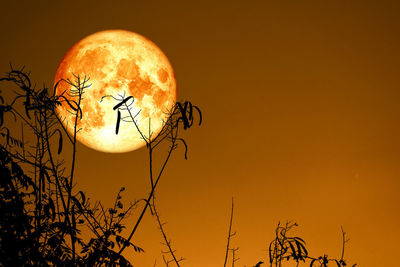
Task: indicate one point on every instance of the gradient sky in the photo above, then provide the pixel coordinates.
(301, 120)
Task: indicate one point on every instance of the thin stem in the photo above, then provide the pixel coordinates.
(229, 236)
(344, 242)
(167, 242)
(173, 140)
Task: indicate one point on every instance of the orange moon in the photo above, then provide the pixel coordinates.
(117, 62)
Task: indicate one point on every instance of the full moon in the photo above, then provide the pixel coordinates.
(118, 63)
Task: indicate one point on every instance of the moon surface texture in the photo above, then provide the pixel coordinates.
(121, 64)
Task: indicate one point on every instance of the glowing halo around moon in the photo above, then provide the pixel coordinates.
(117, 62)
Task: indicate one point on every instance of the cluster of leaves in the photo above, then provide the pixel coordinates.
(285, 247)
(16, 236)
(107, 226)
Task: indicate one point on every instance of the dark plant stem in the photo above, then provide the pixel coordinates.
(167, 242)
(147, 204)
(229, 236)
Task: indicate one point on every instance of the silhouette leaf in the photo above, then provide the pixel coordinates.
(186, 147)
(136, 248)
(118, 122)
(122, 102)
(28, 181)
(294, 254)
(183, 115)
(16, 169)
(55, 87)
(73, 219)
(27, 104)
(270, 253)
(60, 141)
(46, 210)
(41, 177)
(298, 238)
(83, 197)
(76, 109)
(53, 209)
(77, 203)
(1, 115)
(46, 174)
(300, 246)
(198, 110)
(7, 135)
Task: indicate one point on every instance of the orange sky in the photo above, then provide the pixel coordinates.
(301, 120)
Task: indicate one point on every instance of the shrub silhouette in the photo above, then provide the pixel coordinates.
(284, 248)
(292, 248)
(42, 213)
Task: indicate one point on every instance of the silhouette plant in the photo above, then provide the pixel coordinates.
(43, 214)
(285, 248)
(179, 114)
(289, 248)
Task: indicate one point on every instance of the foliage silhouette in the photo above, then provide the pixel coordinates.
(42, 211)
(43, 214)
(286, 248)
(169, 132)
(290, 248)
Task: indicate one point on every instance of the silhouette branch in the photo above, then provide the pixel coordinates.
(229, 236)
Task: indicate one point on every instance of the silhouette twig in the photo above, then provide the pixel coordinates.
(166, 240)
(179, 114)
(229, 238)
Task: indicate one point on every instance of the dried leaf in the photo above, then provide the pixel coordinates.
(60, 141)
(83, 197)
(118, 122)
(186, 147)
(53, 209)
(198, 110)
(122, 102)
